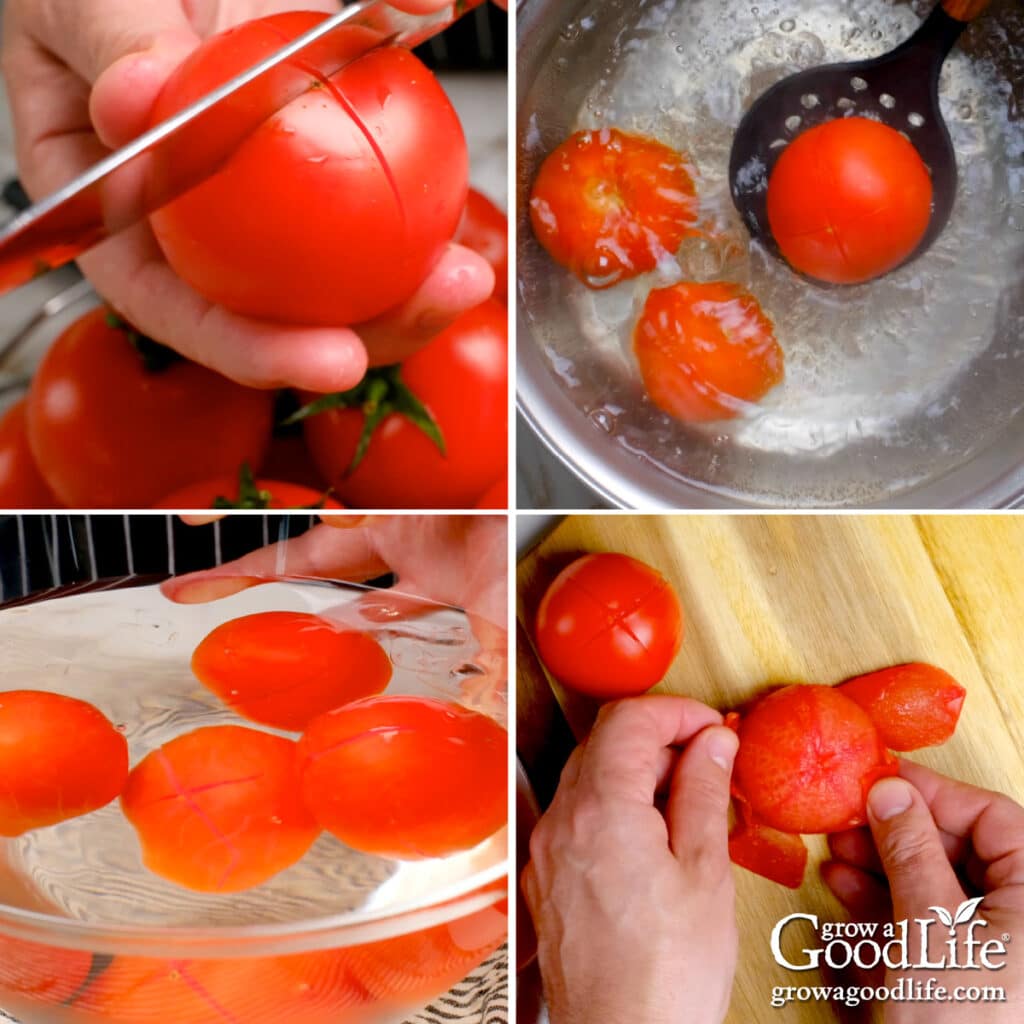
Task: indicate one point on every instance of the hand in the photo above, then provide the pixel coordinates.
(456, 560)
(82, 77)
(935, 842)
(634, 910)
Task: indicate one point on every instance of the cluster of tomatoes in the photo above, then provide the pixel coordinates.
(331, 211)
(848, 201)
(610, 626)
(224, 808)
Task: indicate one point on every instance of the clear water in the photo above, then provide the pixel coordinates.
(888, 384)
(128, 652)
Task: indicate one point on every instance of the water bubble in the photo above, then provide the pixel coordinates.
(788, 25)
(571, 32)
(604, 420)
(915, 119)
(793, 122)
(777, 144)
(321, 159)
(858, 84)
(561, 64)
(887, 101)
(809, 101)
(965, 111)
(846, 103)
(755, 11)
(876, 34)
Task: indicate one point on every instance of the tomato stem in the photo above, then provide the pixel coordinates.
(380, 394)
(156, 358)
(251, 497)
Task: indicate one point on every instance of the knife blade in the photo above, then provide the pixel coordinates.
(192, 145)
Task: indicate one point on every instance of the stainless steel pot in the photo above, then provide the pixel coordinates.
(987, 473)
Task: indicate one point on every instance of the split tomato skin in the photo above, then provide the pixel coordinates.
(914, 705)
(336, 208)
(608, 205)
(706, 350)
(218, 810)
(849, 200)
(106, 432)
(60, 757)
(609, 626)
(461, 377)
(406, 777)
(484, 229)
(808, 756)
(778, 856)
(21, 484)
(283, 669)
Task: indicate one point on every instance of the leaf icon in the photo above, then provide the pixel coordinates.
(943, 915)
(966, 910)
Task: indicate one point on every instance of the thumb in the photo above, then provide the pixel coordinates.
(698, 804)
(129, 50)
(910, 849)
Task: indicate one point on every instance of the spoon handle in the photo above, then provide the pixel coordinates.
(964, 10)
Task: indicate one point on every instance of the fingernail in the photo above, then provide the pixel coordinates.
(722, 747)
(889, 797)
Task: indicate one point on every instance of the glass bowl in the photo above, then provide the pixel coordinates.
(87, 933)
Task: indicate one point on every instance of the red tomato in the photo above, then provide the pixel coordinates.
(484, 229)
(285, 668)
(406, 777)
(609, 626)
(336, 207)
(496, 496)
(246, 493)
(608, 205)
(461, 378)
(308, 988)
(59, 758)
(289, 461)
(807, 758)
(21, 485)
(705, 349)
(415, 968)
(849, 200)
(107, 432)
(218, 810)
(40, 974)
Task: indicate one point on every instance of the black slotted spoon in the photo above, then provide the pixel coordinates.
(900, 89)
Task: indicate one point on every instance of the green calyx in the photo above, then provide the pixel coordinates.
(250, 496)
(156, 358)
(381, 393)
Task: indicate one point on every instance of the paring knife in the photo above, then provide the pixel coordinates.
(118, 192)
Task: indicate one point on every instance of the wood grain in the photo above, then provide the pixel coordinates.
(780, 599)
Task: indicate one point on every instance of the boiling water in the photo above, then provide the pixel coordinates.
(128, 652)
(888, 384)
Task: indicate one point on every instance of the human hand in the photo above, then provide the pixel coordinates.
(634, 910)
(930, 842)
(82, 77)
(455, 560)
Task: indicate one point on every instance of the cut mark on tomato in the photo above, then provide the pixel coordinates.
(387, 731)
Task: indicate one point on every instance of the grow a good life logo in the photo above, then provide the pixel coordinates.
(951, 939)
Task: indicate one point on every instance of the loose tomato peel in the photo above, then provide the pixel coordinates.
(778, 856)
(608, 205)
(705, 350)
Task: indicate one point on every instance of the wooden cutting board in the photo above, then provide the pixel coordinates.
(780, 599)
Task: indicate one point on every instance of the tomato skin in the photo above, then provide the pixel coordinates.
(432, 776)
(106, 433)
(217, 809)
(462, 379)
(59, 758)
(496, 496)
(282, 495)
(705, 349)
(284, 668)
(808, 756)
(21, 485)
(609, 626)
(607, 205)
(484, 229)
(338, 206)
(849, 200)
